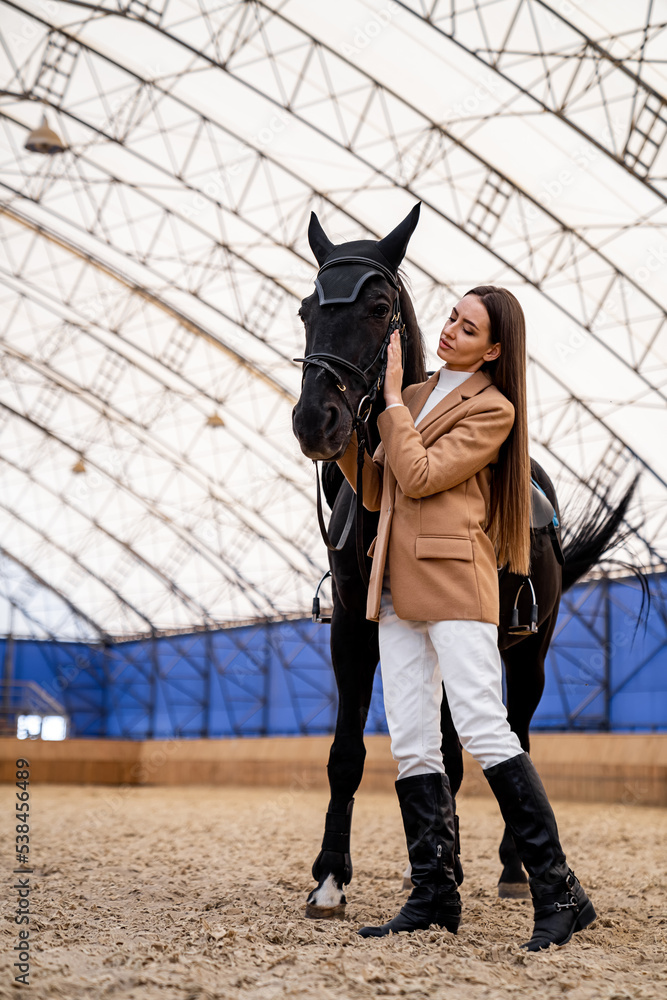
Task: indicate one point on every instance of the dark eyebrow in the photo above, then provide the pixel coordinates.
(455, 310)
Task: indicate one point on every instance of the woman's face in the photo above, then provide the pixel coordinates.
(465, 342)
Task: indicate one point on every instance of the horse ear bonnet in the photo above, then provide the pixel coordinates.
(342, 284)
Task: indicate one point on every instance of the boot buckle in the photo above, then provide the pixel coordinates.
(567, 906)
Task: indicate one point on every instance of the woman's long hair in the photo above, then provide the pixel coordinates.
(508, 524)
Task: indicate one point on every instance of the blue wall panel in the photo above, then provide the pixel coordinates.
(602, 672)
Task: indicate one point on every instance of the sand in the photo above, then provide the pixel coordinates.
(199, 893)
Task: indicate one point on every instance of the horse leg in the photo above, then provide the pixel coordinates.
(452, 757)
(524, 674)
(354, 653)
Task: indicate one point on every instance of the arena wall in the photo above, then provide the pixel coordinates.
(603, 674)
(626, 768)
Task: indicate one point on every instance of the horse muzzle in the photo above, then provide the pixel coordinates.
(323, 432)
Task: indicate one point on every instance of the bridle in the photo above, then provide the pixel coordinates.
(371, 381)
(372, 378)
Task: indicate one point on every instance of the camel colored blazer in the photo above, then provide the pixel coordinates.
(431, 484)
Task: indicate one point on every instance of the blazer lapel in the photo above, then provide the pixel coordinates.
(422, 394)
(477, 381)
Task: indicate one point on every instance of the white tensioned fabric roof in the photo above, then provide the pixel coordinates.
(151, 272)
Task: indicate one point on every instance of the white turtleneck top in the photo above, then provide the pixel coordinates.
(447, 381)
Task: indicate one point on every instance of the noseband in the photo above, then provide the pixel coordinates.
(372, 379)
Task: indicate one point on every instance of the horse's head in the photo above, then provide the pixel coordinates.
(347, 320)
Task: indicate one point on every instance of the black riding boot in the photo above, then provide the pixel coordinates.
(428, 820)
(458, 868)
(561, 905)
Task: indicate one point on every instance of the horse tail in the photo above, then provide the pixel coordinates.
(332, 480)
(595, 536)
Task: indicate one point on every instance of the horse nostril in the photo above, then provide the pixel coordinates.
(331, 425)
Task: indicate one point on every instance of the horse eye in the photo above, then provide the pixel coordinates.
(380, 311)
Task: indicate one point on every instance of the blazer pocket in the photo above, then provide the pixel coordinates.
(371, 548)
(443, 547)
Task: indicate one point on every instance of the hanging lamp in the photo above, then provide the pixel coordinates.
(44, 140)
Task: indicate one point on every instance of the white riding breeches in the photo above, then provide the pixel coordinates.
(416, 659)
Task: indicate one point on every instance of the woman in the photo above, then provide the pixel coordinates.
(452, 480)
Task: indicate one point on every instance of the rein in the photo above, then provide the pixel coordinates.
(372, 382)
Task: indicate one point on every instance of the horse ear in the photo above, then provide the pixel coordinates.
(393, 246)
(320, 243)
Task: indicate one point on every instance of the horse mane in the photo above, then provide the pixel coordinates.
(415, 362)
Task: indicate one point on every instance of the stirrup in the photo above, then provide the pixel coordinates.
(317, 616)
(515, 628)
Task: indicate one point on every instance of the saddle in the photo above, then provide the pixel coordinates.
(543, 517)
(542, 511)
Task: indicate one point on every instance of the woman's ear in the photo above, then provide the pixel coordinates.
(493, 352)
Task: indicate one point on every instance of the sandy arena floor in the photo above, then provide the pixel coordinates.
(194, 894)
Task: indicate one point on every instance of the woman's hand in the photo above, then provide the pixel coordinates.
(393, 378)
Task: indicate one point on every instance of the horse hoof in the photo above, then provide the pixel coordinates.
(513, 890)
(314, 912)
(327, 901)
(407, 884)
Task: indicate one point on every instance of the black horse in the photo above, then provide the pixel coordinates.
(347, 321)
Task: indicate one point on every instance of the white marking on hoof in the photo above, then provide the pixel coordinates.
(326, 901)
(328, 894)
(407, 879)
